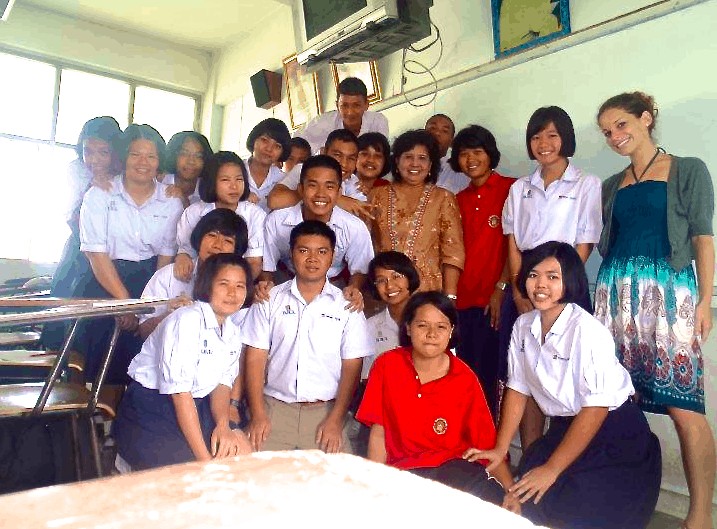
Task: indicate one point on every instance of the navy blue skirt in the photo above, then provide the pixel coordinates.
(146, 430)
(614, 483)
(93, 336)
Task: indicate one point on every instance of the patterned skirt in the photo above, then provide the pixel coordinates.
(650, 310)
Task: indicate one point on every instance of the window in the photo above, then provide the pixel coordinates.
(167, 112)
(26, 97)
(84, 96)
(43, 107)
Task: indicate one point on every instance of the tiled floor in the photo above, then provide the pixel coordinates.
(664, 521)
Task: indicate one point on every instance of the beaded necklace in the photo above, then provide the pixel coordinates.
(416, 221)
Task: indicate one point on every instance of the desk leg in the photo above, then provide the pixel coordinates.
(54, 373)
(102, 374)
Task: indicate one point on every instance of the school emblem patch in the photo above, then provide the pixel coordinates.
(494, 221)
(440, 426)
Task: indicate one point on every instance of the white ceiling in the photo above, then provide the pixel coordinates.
(207, 24)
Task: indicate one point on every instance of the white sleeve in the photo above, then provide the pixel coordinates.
(315, 131)
(508, 218)
(604, 382)
(360, 250)
(292, 178)
(94, 218)
(516, 366)
(382, 124)
(255, 220)
(590, 214)
(355, 340)
(271, 248)
(157, 287)
(186, 224)
(180, 353)
(256, 330)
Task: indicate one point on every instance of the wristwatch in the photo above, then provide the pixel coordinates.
(502, 285)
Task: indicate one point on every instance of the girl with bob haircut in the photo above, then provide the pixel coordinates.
(485, 277)
(373, 162)
(269, 143)
(557, 202)
(426, 408)
(176, 409)
(599, 464)
(223, 185)
(127, 232)
(187, 152)
(658, 219)
(414, 216)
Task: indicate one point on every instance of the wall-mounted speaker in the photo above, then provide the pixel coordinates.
(266, 86)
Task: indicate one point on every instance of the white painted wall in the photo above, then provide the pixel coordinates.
(54, 36)
(671, 57)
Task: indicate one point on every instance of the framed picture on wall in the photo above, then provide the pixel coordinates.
(523, 24)
(302, 92)
(366, 71)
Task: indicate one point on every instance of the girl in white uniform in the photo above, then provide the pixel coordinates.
(187, 152)
(223, 185)
(599, 465)
(176, 408)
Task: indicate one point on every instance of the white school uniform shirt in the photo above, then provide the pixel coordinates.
(252, 214)
(353, 241)
(451, 180)
(306, 342)
(169, 179)
(568, 211)
(111, 222)
(383, 331)
(576, 367)
(349, 187)
(274, 176)
(163, 284)
(189, 352)
(319, 128)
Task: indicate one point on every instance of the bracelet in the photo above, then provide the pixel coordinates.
(235, 403)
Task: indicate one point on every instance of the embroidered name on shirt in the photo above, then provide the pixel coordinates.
(566, 196)
(324, 315)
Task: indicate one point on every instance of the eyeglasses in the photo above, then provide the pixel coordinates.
(383, 281)
(192, 155)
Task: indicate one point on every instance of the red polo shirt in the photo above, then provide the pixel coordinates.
(486, 246)
(425, 424)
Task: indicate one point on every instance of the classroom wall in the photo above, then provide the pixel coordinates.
(53, 36)
(671, 57)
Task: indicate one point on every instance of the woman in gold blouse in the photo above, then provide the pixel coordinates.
(416, 217)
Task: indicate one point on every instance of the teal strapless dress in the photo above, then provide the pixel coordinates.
(650, 308)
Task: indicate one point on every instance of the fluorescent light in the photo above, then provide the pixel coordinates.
(5, 7)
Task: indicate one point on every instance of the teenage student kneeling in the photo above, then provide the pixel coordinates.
(176, 408)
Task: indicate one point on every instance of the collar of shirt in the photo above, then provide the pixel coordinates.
(571, 174)
(558, 327)
(452, 364)
(158, 195)
(210, 322)
(328, 290)
(294, 217)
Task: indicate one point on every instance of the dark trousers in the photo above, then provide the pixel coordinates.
(466, 476)
(478, 347)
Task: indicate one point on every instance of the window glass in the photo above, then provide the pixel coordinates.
(84, 96)
(27, 91)
(167, 112)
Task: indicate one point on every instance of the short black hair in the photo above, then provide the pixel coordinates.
(543, 117)
(320, 160)
(175, 144)
(103, 128)
(343, 135)
(140, 132)
(210, 268)
(226, 222)
(407, 141)
(379, 142)
(474, 137)
(418, 300)
(439, 115)
(208, 178)
(575, 280)
(276, 130)
(396, 261)
(297, 142)
(312, 227)
(352, 86)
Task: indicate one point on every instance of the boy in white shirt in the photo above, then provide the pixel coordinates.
(304, 353)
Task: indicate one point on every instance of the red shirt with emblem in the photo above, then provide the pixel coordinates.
(425, 424)
(486, 246)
